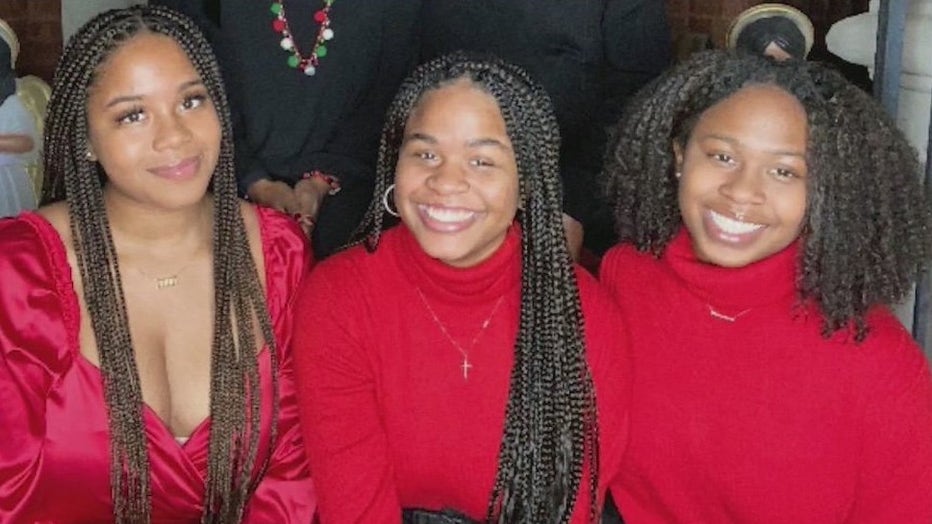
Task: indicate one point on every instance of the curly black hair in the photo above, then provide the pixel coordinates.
(551, 429)
(239, 301)
(866, 234)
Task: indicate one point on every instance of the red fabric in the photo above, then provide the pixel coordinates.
(762, 419)
(388, 418)
(54, 458)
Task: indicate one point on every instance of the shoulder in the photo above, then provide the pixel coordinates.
(37, 319)
(282, 245)
(33, 240)
(593, 293)
(622, 262)
(351, 277)
(889, 352)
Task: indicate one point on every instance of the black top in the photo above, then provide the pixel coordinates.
(590, 56)
(288, 123)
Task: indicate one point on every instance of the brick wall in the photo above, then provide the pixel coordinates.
(38, 25)
(712, 17)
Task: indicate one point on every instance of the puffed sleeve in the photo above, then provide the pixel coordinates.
(285, 494)
(34, 341)
(346, 441)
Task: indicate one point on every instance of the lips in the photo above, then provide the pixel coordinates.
(182, 170)
(730, 231)
(446, 219)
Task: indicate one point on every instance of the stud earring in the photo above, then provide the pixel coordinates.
(385, 204)
(89, 156)
(678, 174)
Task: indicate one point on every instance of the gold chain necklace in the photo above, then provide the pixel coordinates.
(168, 280)
(466, 365)
(727, 318)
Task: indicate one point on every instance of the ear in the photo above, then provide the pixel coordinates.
(678, 156)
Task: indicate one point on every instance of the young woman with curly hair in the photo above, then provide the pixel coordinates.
(144, 310)
(769, 213)
(444, 363)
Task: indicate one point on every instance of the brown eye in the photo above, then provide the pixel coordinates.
(194, 101)
(721, 157)
(132, 116)
(784, 174)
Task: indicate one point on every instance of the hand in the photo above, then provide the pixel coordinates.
(573, 229)
(277, 195)
(310, 194)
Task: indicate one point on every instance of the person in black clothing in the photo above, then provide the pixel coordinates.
(302, 137)
(590, 56)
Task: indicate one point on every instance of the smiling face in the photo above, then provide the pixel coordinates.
(742, 192)
(152, 125)
(456, 181)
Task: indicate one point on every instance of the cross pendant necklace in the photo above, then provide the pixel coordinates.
(466, 366)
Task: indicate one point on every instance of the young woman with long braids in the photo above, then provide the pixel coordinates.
(144, 310)
(769, 213)
(443, 363)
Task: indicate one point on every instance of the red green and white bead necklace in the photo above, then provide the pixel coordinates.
(307, 64)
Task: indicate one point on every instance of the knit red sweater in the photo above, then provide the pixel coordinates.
(761, 419)
(389, 420)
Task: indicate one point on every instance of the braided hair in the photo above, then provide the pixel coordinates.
(239, 300)
(550, 422)
(866, 234)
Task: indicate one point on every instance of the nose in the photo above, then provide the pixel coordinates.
(744, 186)
(171, 132)
(448, 177)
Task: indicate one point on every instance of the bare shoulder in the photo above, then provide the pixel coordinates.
(57, 215)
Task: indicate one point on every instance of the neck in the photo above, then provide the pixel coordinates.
(137, 227)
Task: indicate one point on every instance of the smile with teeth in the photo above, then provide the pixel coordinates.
(447, 214)
(732, 226)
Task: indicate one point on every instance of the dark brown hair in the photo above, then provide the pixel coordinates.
(551, 431)
(239, 300)
(867, 229)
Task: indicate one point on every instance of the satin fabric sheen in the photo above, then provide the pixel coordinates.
(54, 448)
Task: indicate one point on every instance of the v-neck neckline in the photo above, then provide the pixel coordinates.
(64, 281)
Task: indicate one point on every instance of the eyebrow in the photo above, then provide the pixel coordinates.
(478, 142)
(136, 98)
(484, 142)
(735, 141)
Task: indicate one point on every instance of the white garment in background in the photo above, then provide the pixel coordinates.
(16, 190)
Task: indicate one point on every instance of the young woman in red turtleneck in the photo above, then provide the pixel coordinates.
(443, 364)
(768, 215)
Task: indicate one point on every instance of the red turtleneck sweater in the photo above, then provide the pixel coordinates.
(389, 420)
(762, 419)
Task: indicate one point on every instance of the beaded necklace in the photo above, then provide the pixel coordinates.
(307, 64)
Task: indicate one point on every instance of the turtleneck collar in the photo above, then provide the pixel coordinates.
(488, 280)
(762, 282)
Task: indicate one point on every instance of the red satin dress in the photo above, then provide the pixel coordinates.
(54, 438)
